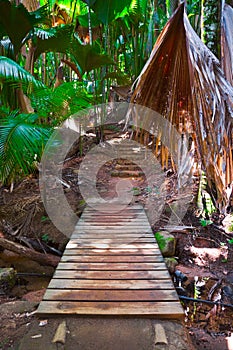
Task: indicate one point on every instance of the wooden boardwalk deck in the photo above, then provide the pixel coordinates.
(112, 266)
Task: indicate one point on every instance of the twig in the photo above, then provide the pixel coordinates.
(213, 288)
(205, 301)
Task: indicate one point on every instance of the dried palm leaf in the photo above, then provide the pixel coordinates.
(183, 81)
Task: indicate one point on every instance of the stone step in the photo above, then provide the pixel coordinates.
(128, 167)
(127, 173)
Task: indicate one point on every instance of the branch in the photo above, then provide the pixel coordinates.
(43, 259)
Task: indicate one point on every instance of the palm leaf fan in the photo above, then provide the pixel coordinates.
(183, 81)
(21, 144)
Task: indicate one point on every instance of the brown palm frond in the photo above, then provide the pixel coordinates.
(183, 81)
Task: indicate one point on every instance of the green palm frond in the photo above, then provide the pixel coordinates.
(10, 71)
(21, 144)
(65, 100)
(17, 22)
(57, 39)
(138, 7)
(111, 10)
(89, 57)
(7, 48)
(44, 34)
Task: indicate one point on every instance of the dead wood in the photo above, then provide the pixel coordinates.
(43, 259)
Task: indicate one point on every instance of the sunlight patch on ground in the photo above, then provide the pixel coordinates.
(201, 255)
(230, 342)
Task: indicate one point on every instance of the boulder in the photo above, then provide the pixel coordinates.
(7, 279)
(166, 242)
(171, 264)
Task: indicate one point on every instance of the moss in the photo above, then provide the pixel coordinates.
(161, 240)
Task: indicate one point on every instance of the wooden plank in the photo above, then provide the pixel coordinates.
(115, 230)
(111, 258)
(114, 216)
(110, 284)
(111, 266)
(113, 245)
(110, 295)
(97, 207)
(110, 218)
(107, 222)
(90, 235)
(112, 275)
(111, 240)
(119, 251)
(137, 218)
(170, 310)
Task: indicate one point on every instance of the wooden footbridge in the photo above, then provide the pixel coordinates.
(112, 265)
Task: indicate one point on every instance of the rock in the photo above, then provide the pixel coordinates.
(7, 279)
(171, 264)
(17, 307)
(36, 296)
(166, 242)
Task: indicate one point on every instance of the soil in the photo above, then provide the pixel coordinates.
(204, 255)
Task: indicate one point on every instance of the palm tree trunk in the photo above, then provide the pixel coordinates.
(211, 24)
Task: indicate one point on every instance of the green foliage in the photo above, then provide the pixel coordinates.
(84, 20)
(193, 8)
(111, 10)
(57, 39)
(161, 240)
(45, 238)
(10, 71)
(13, 76)
(121, 78)
(61, 102)
(16, 22)
(205, 223)
(21, 144)
(89, 57)
(44, 218)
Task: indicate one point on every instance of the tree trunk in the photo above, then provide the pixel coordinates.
(43, 259)
(24, 102)
(211, 12)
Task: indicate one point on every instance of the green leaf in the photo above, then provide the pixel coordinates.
(121, 78)
(88, 57)
(66, 99)
(230, 241)
(10, 71)
(21, 144)
(84, 21)
(89, 2)
(17, 22)
(205, 223)
(57, 39)
(111, 10)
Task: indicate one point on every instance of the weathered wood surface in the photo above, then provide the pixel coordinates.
(112, 266)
